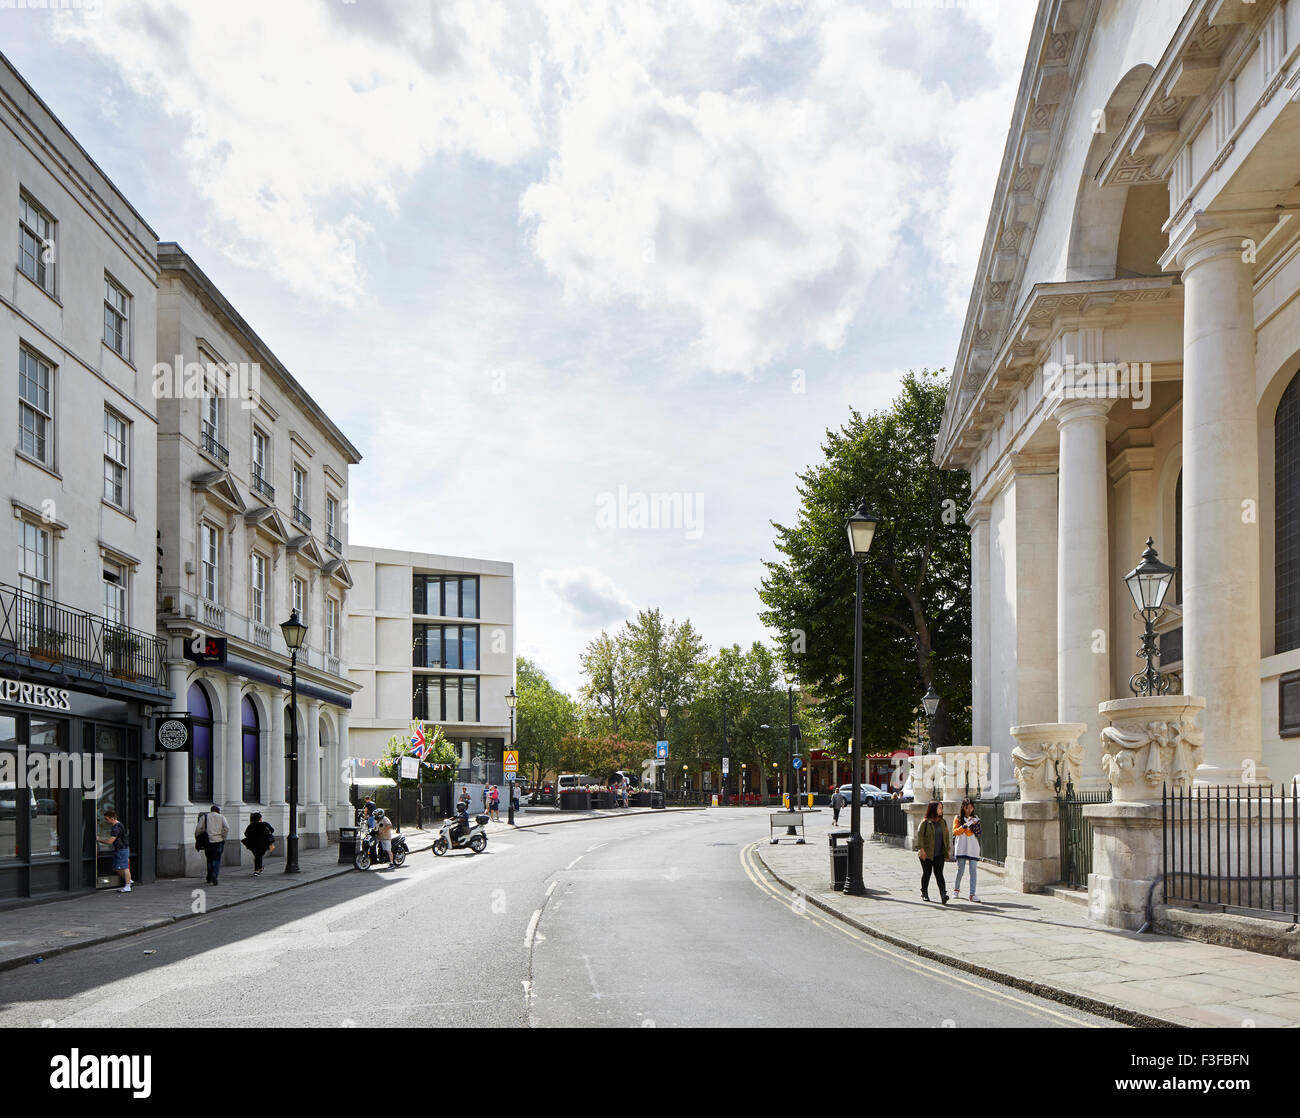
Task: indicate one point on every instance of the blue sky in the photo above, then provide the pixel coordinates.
(530, 255)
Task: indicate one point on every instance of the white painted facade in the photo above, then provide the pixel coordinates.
(382, 627)
(242, 544)
(1147, 214)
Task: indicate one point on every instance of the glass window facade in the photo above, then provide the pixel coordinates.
(445, 698)
(115, 464)
(35, 244)
(446, 646)
(35, 407)
(252, 781)
(200, 710)
(446, 596)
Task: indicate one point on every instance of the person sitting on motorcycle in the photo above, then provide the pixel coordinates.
(462, 819)
(368, 811)
(384, 832)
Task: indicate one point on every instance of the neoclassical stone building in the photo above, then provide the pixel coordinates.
(1129, 368)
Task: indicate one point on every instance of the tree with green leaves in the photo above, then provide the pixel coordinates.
(544, 717)
(606, 692)
(437, 765)
(917, 613)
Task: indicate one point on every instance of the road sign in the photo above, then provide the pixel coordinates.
(797, 762)
(726, 762)
(661, 750)
(511, 760)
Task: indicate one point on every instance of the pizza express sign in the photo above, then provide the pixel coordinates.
(34, 695)
(173, 734)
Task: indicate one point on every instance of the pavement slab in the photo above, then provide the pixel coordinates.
(1048, 944)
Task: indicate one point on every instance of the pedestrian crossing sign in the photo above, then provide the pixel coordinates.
(511, 760)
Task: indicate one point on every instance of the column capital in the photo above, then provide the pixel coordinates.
(1132, 459)
(980, 512)
(1212, 236)
(1067, 409)
(1033, 462)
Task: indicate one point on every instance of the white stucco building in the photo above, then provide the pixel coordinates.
(253, 487)
(80, 667)
(1145, 230)
(431, 639)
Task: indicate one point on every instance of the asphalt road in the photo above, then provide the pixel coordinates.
(649, 921)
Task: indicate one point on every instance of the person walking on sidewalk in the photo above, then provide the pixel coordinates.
(966, 833)
(259, 837)
(121, 850)
(934, 845)
(494, 804)
(837, 805)
(211, 832)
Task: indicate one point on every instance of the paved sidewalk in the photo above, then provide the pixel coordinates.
(42, 930)
(1047, 945)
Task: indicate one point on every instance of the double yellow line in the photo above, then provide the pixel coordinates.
(759, 876)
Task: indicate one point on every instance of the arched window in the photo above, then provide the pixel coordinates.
(1286, 519)
(252, 753)
(200, 710)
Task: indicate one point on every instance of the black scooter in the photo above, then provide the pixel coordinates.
(370, 853)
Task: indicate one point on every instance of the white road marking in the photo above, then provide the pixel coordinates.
(551, 888)
(574, 862)
(596, 847)
(532, 929)
(595, 990)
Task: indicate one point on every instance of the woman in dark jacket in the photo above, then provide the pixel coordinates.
(259, 837)
(934, 846)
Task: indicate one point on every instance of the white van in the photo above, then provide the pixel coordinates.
(570, 781)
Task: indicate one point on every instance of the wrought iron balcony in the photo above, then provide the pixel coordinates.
(333, 542)
(300, 516)
(44, 634)
(260, 483)
(212, 447)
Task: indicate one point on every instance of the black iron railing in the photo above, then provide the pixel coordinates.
(300, 515)
(333, 542)
(889, 818)
(1234, 849)
(212, 447)
(1076, 833)
(45, 634)
(993, 826)
(263, 486)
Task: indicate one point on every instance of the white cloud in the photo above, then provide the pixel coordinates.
(592, 597)
(306, 117)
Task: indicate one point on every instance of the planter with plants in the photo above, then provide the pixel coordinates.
(120, 648)
(47, 644)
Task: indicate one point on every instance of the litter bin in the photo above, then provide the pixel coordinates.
(347, 845)
(839, 859)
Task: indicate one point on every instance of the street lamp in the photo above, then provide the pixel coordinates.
(930, 701)
(862, 530)
(685, 769)
(295, 632)
(789, 747)
(511, 700)
(663, 735)
(1148, 583)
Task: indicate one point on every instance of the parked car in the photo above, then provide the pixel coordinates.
(543, 793)
(868, 793)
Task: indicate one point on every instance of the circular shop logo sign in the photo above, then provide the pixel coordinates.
(173, 734)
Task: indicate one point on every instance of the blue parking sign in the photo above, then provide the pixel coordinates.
(661, 751)
(797, 762)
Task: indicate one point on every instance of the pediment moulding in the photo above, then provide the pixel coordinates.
(1057, 44)
(993, 380)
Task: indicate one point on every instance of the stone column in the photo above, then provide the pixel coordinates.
(1151, 742)
(174, 845)
(1221, 621)
(981, 665)
(1083, 578)
(343, 805)
(1136, 516)
(1044, 753)
(310, 756)
(277, 798)
(232, 770)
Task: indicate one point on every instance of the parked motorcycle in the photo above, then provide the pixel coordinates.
(369, 852)
(474, 838)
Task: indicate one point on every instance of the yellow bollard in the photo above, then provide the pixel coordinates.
(715, 800)
(810, 799)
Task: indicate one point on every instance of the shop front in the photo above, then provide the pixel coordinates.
(67, 756)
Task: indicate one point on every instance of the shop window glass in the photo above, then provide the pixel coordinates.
(252, 753)
(200, 710)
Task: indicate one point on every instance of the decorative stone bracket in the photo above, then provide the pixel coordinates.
(1151, 741)
(1046, 751)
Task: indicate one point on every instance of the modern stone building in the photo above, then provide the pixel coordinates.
(431, 639)
(1129, 368)
(253, 488)
(80, 667)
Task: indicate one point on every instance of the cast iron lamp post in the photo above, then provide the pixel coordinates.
(663, 734)
(861, 529)
(295, 632)
(1148, 583)
(511, 700)
(930, 701)
(789, 745)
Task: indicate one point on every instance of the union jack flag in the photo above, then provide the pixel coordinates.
(419, 742)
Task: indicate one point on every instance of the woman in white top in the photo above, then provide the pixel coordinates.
(966, 845)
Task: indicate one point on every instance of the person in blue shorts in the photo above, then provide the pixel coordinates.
(121, 851)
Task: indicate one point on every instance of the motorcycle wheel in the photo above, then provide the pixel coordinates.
(478, 844)
(399, 856)
(440, 846)
(362, 860)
